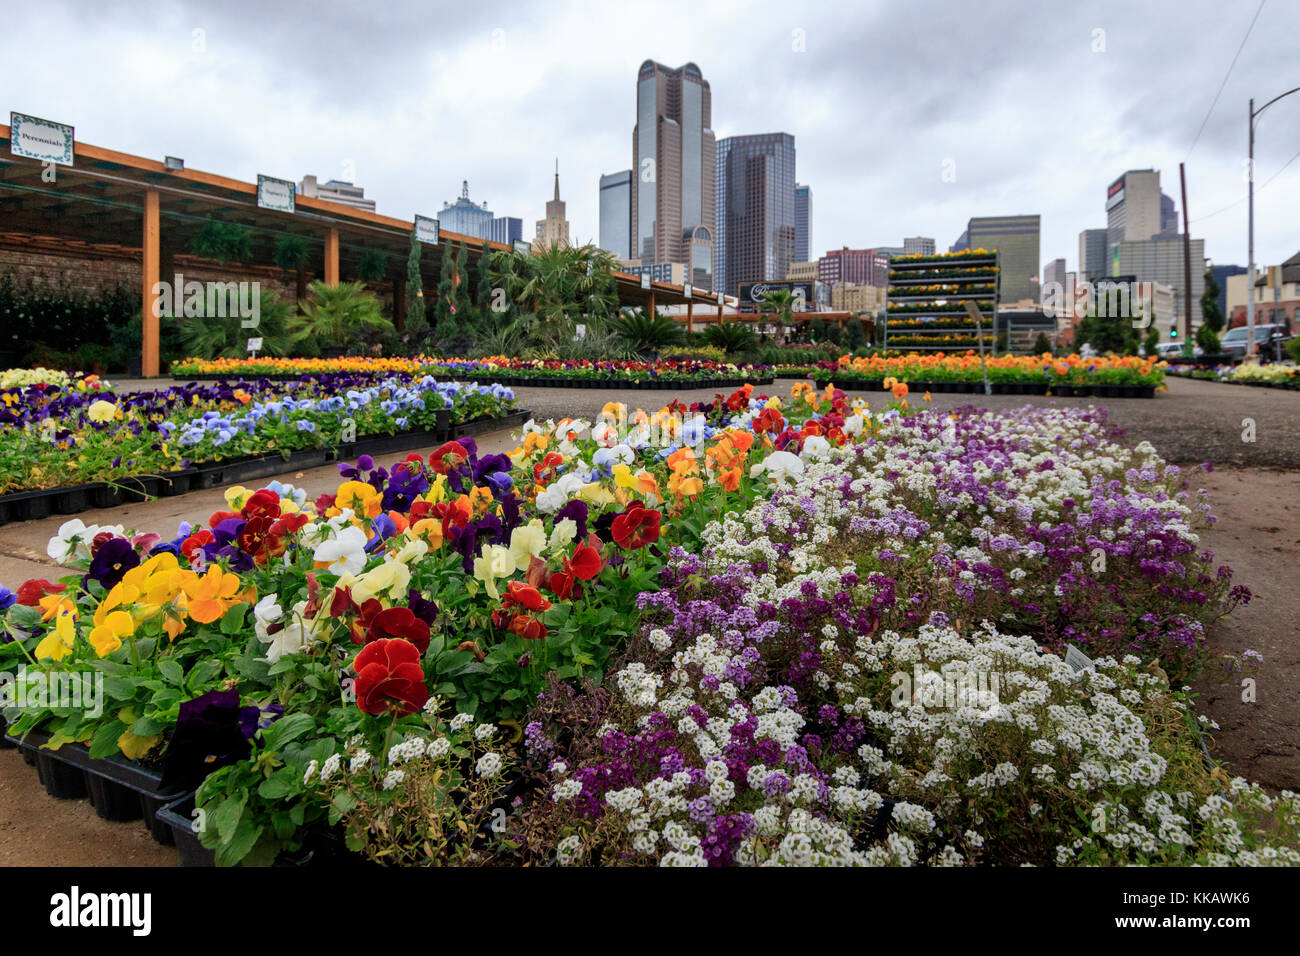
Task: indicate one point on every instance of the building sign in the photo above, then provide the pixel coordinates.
(523, 247)
(752, 293)
(275, 194)
(35, 138)
(1115, 187)
(426, 230)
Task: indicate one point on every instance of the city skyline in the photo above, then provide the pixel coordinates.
(501, 88)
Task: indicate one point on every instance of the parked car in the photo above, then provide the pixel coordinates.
(1169, 349)
(1234, 341)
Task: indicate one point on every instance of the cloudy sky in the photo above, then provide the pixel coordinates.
(1034, 108)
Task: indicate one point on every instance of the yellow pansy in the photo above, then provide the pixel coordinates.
(58, 644)
(389, 579)
(106, 636)
(362, 498)
(495, 562)
(595, 493)
(237, 496)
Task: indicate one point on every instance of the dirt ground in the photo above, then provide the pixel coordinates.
(1255, 492)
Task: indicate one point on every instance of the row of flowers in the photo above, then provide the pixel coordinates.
(53, 437)
(934, 307)
(965, 366)
(1253, 373)
(683, 371)
(41, 378)
(678, 638)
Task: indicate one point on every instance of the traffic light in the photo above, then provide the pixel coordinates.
(1173, 333)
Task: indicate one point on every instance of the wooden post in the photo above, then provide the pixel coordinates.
(719, 310)
(690, 317)
(652, 303)
(332, 257)
(149, 262)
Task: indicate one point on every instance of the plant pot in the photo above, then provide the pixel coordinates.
(172, 483)
(72, 500)
(28, 505)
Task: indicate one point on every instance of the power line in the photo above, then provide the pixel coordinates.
(1224, 83)
(1257, 191)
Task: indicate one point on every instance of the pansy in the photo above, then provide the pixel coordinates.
(344, 551)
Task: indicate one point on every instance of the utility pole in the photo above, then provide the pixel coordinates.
(1187, 263)
(1250, 216)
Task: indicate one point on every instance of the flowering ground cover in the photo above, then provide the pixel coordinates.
(1276, 375)
(52, 436)
(940, 367)
(745, 632)
(684, 373)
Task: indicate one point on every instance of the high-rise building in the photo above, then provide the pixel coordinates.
(918, 246)
(1160, 259)
(802, 272)
(854, 266)
(616, 213)
(1221, 274)
(674, 200)
(465, 217)
(1132, 210)
(554, 229)
(1093, 260)
(507, 229)
(1168, 216)
(756, 209)
(1054, 271)
(802, 222)
(1016, 238)
(336, 190)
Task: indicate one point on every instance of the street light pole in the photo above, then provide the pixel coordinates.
(1250, 217)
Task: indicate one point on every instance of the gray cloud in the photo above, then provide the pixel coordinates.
(418, 96)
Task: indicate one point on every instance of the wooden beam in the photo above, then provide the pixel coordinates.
(690, 317)
(332, 257)
(148, 279)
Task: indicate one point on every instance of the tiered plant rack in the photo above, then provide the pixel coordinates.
(907, 275)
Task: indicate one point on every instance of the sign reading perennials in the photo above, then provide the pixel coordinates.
(35, 138)
(275, 194)
(426, 230)
(523, 247)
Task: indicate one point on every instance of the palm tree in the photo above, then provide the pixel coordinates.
(292, 253)
(335, 317)
(779, 303)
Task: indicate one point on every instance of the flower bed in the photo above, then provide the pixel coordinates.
(718, 606)
(1113, 376)
(63, 451)
(662, 374)
(1269, 376)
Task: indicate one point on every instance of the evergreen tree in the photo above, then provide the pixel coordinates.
(445, 325)
(1042, 345)
(417, 326)
(483, 288)
(1211, 314)
(818, 330)
(464, 307)
(854, 336)
(1152, 340)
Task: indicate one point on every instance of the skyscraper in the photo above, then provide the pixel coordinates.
(616, 213)
(756, 209)
(1054, 271)
(802, 222)
(1132, 211)
(466, 217)
(1016, 240)
(1093, 260)
(673, 151)
(507, 229)
(1168, 216)
(554, 229)
(918, 246)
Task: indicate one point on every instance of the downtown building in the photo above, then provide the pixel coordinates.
(336, 190)
(855, 267)
(674, 155)
(755, 226)
(466, 217)
(554, 229)
(1094, 262)
(1016, 239)
(507, 230)
(918, 246)
(616, 213)
(802, 222)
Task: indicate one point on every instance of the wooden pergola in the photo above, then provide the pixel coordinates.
(140, 205)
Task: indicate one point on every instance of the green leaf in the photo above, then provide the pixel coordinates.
(104, 743)
(286, 729)
(232, 622)
(228, 815)
(240, 844)
(171, 671)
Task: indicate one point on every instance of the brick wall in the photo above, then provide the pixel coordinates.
(90, 268)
